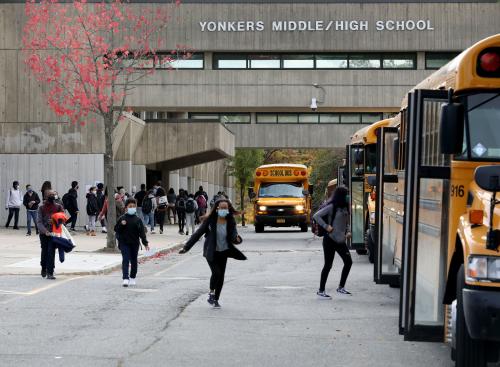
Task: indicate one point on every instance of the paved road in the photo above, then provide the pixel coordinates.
(270, 315)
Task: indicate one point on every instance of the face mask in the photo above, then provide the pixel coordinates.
(51, 199)
(222, 212)
(30, 190)
(131, 211)
(16, 187)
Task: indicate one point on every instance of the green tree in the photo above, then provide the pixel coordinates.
(324, 169)
(242, 167)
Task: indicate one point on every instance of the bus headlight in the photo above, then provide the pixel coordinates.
(485, 268)
(262, 208)
(299, 208)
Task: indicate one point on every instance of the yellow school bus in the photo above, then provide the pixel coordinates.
(437, 220)
(362, 158)
(281, 196)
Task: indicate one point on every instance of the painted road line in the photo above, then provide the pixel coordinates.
(176, 265)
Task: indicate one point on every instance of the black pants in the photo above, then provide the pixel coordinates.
(129, 257)
(48, 254)
(218, 268)
(72, 219)
(160, 218)
(13, 212)
(329, 248)
(182, 219)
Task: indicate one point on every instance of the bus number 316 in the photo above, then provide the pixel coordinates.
(458, 190)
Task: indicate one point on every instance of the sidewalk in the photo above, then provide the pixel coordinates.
(20, 254)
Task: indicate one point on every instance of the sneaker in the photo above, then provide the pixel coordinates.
(51, 277)
(44, 273)
(125, 282)
(152, 231)
(161, 231)
(28, 234)
(187, 233)
(86, 227)
(72, 230)
(132, 281)
(342, 290)
(104, 230)
(211, 299)
(216, 304)
(323, 295)
(16, 228)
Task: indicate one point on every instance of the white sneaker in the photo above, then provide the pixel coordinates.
(86, 227)
(132, 281)
(125, 282)
(152, 232)
(104, 230)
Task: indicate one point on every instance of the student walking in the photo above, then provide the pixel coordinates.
(70, 202)
(191, 209)
(139, 196)
(31, 202)
(13, 204)
(162, 204)
(180, 208)
(101, 198)
(148, 210)
(46, 186)
(221, 235)
(44, 224)
(92, 210)
(129, 229)
(201, 198)
(171, 214)
(336, 213)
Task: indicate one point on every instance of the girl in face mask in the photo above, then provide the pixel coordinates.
(129, 229)
(336, 213)
(221, 235)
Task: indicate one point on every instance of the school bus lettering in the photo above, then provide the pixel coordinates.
(281, 172)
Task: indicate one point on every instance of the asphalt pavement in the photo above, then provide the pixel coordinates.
(270, 314)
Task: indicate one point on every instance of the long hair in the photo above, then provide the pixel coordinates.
(212, 215)
(47, 185)
(338, 199)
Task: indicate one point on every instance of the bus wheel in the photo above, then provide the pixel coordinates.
(361, 251)
(468, 352)
(303, 227)
(259, 228)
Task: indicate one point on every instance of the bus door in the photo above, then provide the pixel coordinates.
(356, 180)
(386, 215)
(425, 228)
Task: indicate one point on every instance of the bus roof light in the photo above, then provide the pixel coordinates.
(296, 173)
(489, 63)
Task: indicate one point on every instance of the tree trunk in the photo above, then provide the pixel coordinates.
(109, 179)
(242, 204)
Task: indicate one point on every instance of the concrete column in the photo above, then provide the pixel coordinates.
(183, 181)
(174, 180)
(138, 175)
(420, 60)
(123, 174)
(210, 179)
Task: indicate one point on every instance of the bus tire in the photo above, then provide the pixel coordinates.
(361, 251)
(304, 227)
(259, 228)
(469, 352)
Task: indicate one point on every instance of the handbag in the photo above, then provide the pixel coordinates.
(238, 240)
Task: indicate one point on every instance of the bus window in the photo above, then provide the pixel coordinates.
(281, 190)
(371, 158)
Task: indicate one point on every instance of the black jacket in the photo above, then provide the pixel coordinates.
(129, 229)
(27, 199)
(209, 229)
(72, 201)
(92, 204)
(100, 198)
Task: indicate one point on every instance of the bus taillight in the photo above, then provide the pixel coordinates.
(303, 173)
(296, 173)
(488, 64)
(258, 174)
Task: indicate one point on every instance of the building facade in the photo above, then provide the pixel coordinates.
(264, 74)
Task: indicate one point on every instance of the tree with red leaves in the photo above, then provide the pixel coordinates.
(89, 56)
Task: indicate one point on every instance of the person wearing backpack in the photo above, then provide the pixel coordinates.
(333, 222)
(139, 196)
(92, 210)
(161, 210)
(148, 210)
(180, 208)
(70, 202)
(191, 209)
(171, 198)
(201, 198)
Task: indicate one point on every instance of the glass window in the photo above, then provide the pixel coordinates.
(298, 62)
(205, 116)
(351, 118)
(329, 118)
(436, 60)
(308, 118)
(267, 118)
(357, 212)
(150, 115)
(184, 61)
(370, 118)
(228, 61)
(241, 118)
(161, 115)
(288, 118)
(331, 61)
(483, 112)
(264, 61)
(399, 61)
(364, 61)
(281, 190)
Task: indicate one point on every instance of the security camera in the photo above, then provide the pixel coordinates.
(314, 105)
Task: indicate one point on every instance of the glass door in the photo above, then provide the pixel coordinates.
(357, 196)
(387, 211)
(425, 222)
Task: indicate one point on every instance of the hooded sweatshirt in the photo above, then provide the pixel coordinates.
(14, 198)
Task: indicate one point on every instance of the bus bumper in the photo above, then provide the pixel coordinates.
(482, 313)
(285, 221)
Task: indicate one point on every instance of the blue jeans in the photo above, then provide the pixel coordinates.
(129, 256)
(149, 219)
(31, 214)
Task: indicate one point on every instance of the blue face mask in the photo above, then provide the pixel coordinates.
(131, 211)
(222, 212)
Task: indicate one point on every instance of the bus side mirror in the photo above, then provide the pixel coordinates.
(372, 181)
(358, 156)
(251, 193)
(488, 178)
(451, 131)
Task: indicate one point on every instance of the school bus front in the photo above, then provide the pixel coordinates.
(281, 197)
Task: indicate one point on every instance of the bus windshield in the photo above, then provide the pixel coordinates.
(281, 190)
(483, 118)
(371, 158)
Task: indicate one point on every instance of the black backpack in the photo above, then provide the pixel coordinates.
(147, 205)
(190, 206)
(66, 201)
(181, 204)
